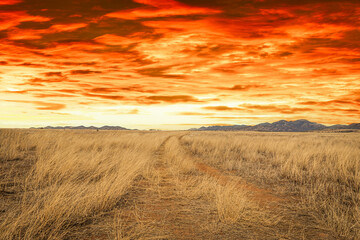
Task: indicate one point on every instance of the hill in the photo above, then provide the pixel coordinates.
(301, 125)
(83, 127)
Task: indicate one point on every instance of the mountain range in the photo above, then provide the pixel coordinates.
(301, 125)
(89, 128)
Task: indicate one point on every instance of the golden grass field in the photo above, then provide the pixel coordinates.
(82, 184)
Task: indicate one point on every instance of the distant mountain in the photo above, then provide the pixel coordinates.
(301, 125)
(338, 126)
(222, 128)
(113, 128)
(354, 126)
(83, 127)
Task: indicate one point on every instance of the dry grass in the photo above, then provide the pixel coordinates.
(232, 203)
(323, 168)
(54, 183)
(76, 177)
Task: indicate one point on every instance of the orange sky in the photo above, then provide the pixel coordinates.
(178, 64)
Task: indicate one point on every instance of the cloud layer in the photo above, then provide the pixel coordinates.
(179, 62)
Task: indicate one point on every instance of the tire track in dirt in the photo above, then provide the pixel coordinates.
(260, 195)
(157, 206)
(264, 197)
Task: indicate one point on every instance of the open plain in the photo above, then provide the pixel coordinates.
(84, 184)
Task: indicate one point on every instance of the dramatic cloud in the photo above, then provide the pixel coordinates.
(43, 105)
(13, 18)
(81, 72)
(242, 87)
(9, 2)
(67, 27)
(173, 99)
(52, 74)
(161, 8)
(175, 62)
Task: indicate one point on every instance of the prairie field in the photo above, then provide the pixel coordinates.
(85, 184)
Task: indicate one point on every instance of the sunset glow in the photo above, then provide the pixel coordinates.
(178, 64)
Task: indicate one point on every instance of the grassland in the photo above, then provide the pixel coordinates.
(82, 184)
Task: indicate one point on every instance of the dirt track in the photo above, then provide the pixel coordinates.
(165, 213)
(162, 211)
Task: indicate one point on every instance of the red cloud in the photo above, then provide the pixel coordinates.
(20, 34)
(243, 87)
(67, 27)
(173, 99)
(112, 39)
(163, 8)
(159, 3)
(83, 72)
(103, 90)
(14, 18)
(9, 2)
(53, 74)
(302, 55)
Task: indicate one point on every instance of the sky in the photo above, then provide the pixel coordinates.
(171, 64)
